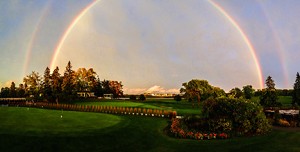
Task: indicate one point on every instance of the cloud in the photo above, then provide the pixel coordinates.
(135, 91)
(160, 90)
(152, 90)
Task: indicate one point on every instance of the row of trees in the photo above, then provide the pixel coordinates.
(55, 86)
(196, 90)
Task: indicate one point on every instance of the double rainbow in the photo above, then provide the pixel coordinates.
(214, 4)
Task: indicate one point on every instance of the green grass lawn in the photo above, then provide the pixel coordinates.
(286, 101)
(44, 130)
(182, 107)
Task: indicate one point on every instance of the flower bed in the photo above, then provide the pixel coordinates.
(177, 131)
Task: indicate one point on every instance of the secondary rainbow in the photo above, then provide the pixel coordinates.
(33, 38)
(67, 32)
(245, 38)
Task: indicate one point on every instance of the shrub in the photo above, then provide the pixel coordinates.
(132, 97)
(142, 97)
(241, 116)
(177, 98)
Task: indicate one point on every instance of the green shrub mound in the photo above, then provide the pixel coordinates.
(237, 117)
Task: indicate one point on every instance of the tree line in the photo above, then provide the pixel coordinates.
(55, 87)
(200, 90)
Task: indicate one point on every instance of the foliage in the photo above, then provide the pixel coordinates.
(112, 87)
(82, 131)
(68, 82)
(12, 90)
(178, 130)
(240, 116)
(4, 92)
(132, 97)
(85, 80)
(46, 86)
(248, 91)
(33, 85)
(269, 95)
(177, 97)
(296, 92)
(98, 88)
(218, 92)
(269, 98)
(270, 83)
(195, 90)
(56, 82)
(236, 93)
(142, 97)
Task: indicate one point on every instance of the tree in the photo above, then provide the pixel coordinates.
(68, 82)
(21, 91)
(195, 89)
(4, 92)
(248, 91)
(116, 88)
(236, 92)
(269, 95)
(177, 98)
(33, 84)
(270, 83)
(12, 90)
(85, 80)
(142, 97)
(56, 82)
(218, 92)
(132, 97)
(296, 92)
(97, 88)
(47, 91)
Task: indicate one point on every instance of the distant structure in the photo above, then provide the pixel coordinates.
(108, 96)
(160, 94)
(86, 94)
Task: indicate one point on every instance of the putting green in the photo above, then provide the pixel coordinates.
(41, 122)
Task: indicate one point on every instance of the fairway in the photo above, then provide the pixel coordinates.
(87, 131)
(182, 107)
(36, 122)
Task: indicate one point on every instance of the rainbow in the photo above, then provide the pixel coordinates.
(33, 38)
(245, 38)
(214, 4)
(67, 32)
(279, 45)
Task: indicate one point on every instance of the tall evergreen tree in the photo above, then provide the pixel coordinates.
(47, 92)
(270, 83)
(68, 82)
(269, 95)
(56, 83)
(296, 92)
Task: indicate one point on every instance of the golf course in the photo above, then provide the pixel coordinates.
(38, 129)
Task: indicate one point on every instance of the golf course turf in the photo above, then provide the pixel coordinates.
(24, 129)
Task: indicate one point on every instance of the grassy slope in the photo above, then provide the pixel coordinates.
(181, 107)
(102, 132)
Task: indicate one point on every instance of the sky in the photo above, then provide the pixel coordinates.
(154, 45)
